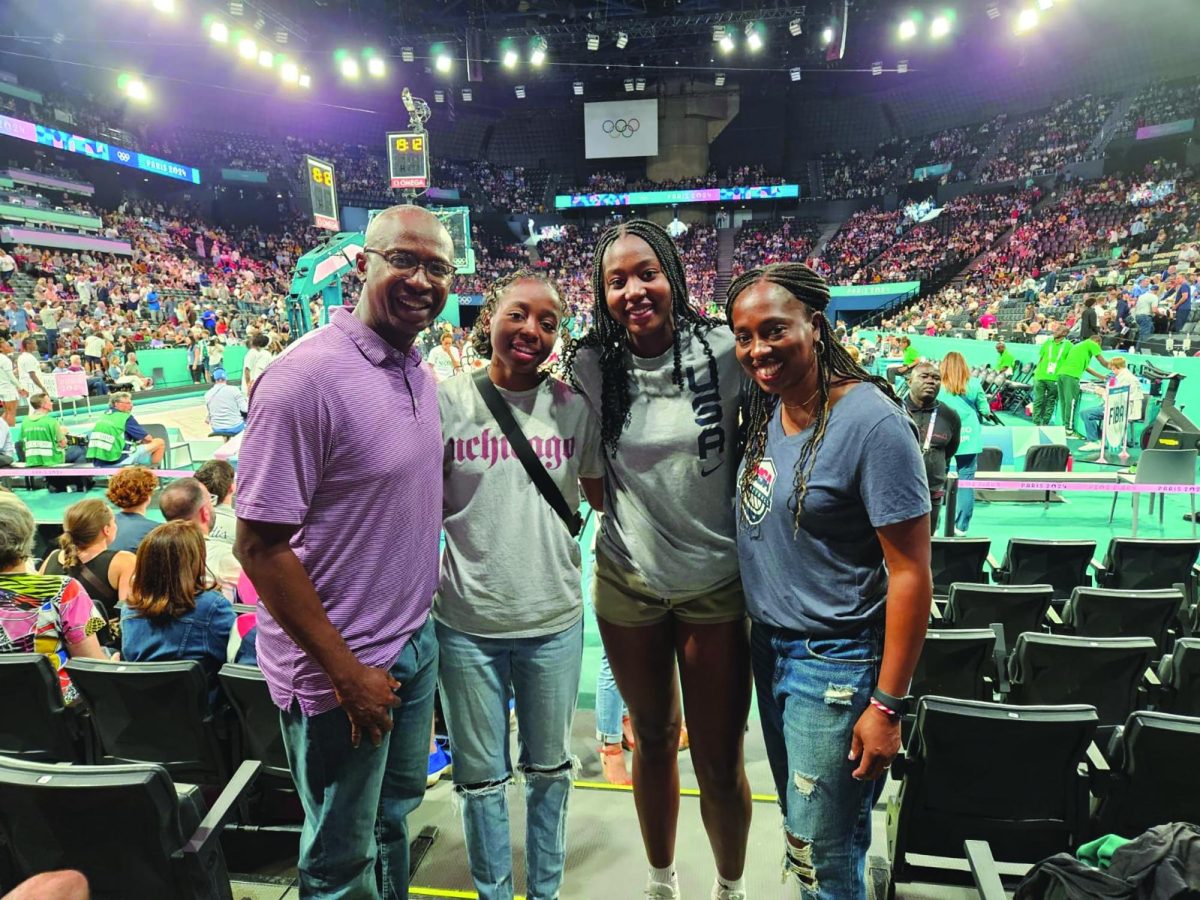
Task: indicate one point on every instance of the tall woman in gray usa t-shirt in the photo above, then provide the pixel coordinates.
(664, 382)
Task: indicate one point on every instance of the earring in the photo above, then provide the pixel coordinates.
(819, 346)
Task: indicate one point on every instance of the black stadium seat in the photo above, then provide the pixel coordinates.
(262, 736)
(1153, 781)
(953, 664)
(957, 559)
(127, 828)
(1105, 673)
(1061, 564)
(1100, 612)
(1143, 564)
(35, 724)
(1007, 775)
(155, 712)
(1016, 609)
(1179, 672)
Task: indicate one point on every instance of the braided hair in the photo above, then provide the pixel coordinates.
(481, 333)
(611, 341)
(834, 364)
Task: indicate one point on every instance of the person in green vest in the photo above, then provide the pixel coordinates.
(44, 437)
(1045, 376)
(1077, 362)
(1006, 363)
(908, 360)
(118, 440)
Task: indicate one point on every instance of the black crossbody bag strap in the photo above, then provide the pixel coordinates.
(520, 446)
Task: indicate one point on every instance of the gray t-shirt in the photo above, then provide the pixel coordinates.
(667, 491)
(828, 578)
(510, 567)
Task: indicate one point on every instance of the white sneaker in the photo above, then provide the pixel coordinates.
(1089, 447)
(660, 891)
(723, 893)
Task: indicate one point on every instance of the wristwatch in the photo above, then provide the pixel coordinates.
(892, 707)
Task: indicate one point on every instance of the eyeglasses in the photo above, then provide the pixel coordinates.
(406, 264)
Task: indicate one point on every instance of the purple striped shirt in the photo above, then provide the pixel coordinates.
(344, 440)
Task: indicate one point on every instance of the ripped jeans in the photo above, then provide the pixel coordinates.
(811, 692)
(476, 675)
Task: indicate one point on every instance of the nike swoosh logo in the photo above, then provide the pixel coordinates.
(704, 473)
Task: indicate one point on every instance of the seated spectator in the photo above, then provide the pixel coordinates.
(89, 527)
(131, 375)
(173, 612)
(226, 406)
(97, 387)
(51, 615)
(218, 476)
(189, 499)
(117, 439)
(46, 441)
(130, 491)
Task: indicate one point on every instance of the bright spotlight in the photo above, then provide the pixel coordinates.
(289, 72)
(350, 68)
(827, 36)
(537, 54)
(1027, 20)
(754, 42)
(939, 27)
(443, 63)
(219, 32)
(305, 80)
(266, 58)
(908, 30)
(376, 67)
(165, 6)
(510, 59)
(247, 49)
(135, 89)
(1045, 4)
(727, 44)
(622, 40)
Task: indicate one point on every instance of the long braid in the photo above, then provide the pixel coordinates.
(834, 365)
(481, 335)
(611, 341)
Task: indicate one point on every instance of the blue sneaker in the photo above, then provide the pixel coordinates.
(439, 764)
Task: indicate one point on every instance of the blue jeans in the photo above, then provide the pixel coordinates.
(1145, 326)
(966, 465)
(811, 692)
(610, 707)
(1093, 417)
(477, 676)
(354, 843)
(230, 432)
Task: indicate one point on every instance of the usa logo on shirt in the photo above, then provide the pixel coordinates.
(758, 500)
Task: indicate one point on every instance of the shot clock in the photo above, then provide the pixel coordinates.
(322, 192)
(408, 160)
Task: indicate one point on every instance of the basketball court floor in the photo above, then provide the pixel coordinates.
(605, 857)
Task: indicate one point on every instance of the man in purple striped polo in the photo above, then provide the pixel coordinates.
(339, 511)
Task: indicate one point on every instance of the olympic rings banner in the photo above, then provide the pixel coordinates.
(620, 128)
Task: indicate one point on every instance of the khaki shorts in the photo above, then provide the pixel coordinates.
(622, 598)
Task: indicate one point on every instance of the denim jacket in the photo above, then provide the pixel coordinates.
(202, 635)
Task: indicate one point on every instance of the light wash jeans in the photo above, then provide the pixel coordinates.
(477, 676)
(354, 843)
(610, 707)
(811, 692)
(966, 465)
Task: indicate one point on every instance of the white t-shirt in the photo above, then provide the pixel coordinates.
(10, 387)
(489, 498)
(93, 345)
(249, 362)
(264, 359)
(27, 363)
(443, 363)
(7, 263)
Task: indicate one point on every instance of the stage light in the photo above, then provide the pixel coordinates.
(640, 84)
(376, 67)
(520, 89)
(754, 42)
(827, 36)
(939, 27)
(266, 58)
(727, 44)
(247, 49)
(795, 73)
(281, 37)
(1045, 4)
(622, 40)
(236, 7)
(877, 67)
(511, 58)
(537, 52)
(902, 67)
(993, 11)
(443, 63)
(593, 41)
(796, 27)
(289, 72)
(907, 30)
(135, 89)
(219, 32)
(578, 88)
(164, 6)
(439, 96)
(349, 68)
(406, 54)
(629, 85)
(719, 80)
(305, 80)
(467, 95)
(1027, 20)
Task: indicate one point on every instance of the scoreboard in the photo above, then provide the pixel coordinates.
(322, 192)
(408, 160)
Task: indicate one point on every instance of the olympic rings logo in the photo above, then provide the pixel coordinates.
(616, 128)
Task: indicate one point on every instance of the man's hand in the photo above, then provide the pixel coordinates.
(367, 695)
(875, 743)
